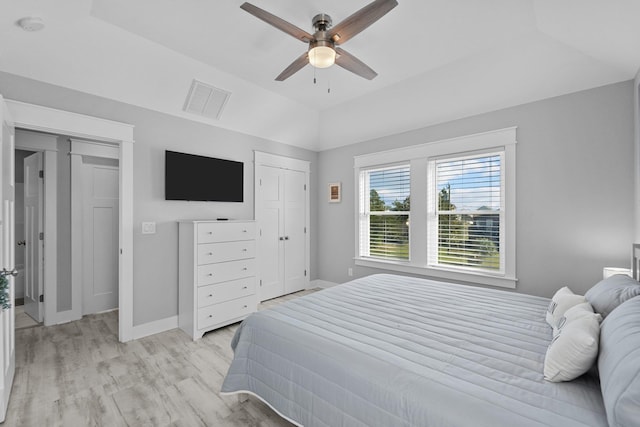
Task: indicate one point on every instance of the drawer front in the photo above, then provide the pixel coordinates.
(221, 292)
(209, 253)
(212, 232)
(219, 313)
(226, 271)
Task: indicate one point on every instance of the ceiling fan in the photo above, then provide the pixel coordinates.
(324, 48)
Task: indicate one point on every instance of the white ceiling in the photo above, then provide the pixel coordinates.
(437, 60)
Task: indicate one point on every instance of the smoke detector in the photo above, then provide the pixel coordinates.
(31, 24)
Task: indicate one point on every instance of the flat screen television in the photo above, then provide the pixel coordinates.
(200, 178)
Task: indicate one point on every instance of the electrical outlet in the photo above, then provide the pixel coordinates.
(350, 272)
(148, 228)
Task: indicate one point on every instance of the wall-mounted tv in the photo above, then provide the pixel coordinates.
(200, 178)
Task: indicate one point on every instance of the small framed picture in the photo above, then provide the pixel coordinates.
(335, 192)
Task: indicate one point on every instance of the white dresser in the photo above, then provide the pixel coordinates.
(217, 274)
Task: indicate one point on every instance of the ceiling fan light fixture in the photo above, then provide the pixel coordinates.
(322, 56)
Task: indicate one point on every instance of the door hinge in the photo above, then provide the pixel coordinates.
(305, 230)
(41, 298)
(41, 174)
(305, 273)
(261, 182)
(260, 282)
(41, 236)
(305, 187)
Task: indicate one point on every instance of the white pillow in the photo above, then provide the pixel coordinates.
(575, 312)
(574, 350)
(563, 300)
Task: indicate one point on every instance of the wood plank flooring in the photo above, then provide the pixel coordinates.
(78, 374)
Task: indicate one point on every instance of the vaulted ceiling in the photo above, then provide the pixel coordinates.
(437, 60)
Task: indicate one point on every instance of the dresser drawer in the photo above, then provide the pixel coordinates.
(221, 292)
(219, 313)
(225, 271)
(225, 231)
(228, 251)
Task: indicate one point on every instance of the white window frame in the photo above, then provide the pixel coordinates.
(418, 156)
(433, 218)
(365, 212)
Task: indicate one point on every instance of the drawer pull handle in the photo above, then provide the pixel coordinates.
(210, 295)
(244, 250)
(244, 231)
(244, 306)
(209, 253)
(244, 287)
(210, 232)
(211, 315)
(210, 274)
(244, 269)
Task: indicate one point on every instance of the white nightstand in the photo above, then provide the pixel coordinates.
(610, 271)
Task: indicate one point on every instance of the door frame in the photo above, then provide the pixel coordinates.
(267, 159)
(79, 149)
(60, 122)
(47, 145)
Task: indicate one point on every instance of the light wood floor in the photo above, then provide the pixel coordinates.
(78, 374)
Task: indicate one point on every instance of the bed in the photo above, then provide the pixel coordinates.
(389, 350)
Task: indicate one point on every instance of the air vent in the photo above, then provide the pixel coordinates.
(206, 100)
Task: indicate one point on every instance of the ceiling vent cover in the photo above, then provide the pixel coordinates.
(206, 100)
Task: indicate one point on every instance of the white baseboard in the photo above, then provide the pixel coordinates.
(323, 284)
(155, 327)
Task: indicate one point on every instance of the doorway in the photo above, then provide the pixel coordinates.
(93, 228)
(119, 135)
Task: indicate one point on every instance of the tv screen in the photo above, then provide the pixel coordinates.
(199, 178)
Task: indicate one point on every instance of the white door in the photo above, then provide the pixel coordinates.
(33, 231)
(7, 256)
(270, 220)
(100, 199)
(294, 229)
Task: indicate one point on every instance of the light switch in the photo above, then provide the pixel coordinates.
(148, 228)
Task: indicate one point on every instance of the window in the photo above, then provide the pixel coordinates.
(461, 225)
(384, 212)
(467, 195)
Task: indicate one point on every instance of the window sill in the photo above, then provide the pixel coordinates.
(441, 273)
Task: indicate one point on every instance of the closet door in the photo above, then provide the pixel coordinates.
(294, 231)
(270, 219)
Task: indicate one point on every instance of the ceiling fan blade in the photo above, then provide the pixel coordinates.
(360, 20)
(295, 66)
(277, 22)
(353, 64)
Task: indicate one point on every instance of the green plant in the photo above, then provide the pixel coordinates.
(4, 293)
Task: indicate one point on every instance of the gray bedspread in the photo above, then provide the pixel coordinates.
(389, 351)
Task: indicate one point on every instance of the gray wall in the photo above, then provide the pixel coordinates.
(156, 256)
(575, 188)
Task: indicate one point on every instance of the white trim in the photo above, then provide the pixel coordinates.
(51, 120)
(636, 162)
(478, 141)
(36, 141)
(94, 149)
(322, 284)
(155, 327)
(50, 289)
(419, 156)
(441, 273)
(268, 159)
(39, 118)
(125, 304)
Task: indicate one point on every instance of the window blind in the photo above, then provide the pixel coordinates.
(384, 212)
(469, 212)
